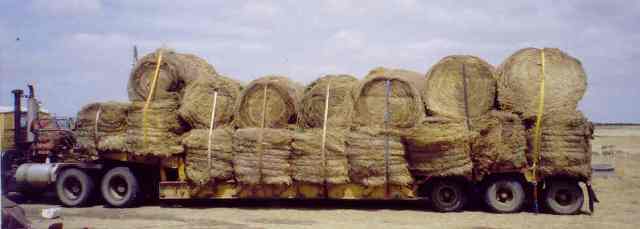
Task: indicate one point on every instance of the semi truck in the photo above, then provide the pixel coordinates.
(123, 180)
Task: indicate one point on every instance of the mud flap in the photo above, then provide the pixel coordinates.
(592, 197)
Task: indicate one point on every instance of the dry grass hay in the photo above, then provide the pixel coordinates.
(519, 82)
(366, 154)
(444, 93)
(160, 134)
(261, 156)
(565, 146)
(196, 143)
(307, 161)
(198, 101)
(283, 97)
(195, 67)
(177, 71)
(340, 102)
(405, 100)
(440, 147)
(97, 122)
(500, 146)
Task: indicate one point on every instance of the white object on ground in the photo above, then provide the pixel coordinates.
(51, 213)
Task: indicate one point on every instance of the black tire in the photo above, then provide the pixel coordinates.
(504, 195)
(120, 188)
(448, 196)
(563, 197)
(74, 187)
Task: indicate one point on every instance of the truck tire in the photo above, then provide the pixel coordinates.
(120, 188)
(504, 195)
(74, 187)
(448, 196)
(563, 197)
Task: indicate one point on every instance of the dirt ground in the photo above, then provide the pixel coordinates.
(619, 194)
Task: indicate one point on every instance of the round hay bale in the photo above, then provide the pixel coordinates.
(440, 147)
(366, 154)
(262, 156)
(195, 67)
(307, 161)
(405, 100)
(500, 146)
(92, 128)
(162, 128)
(197, 103)
(283, 97)
(519, 82)
(340, 101)
(196, 143)
(177, 70)
(444, 92)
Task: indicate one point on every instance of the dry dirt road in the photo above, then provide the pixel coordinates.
(619, 207)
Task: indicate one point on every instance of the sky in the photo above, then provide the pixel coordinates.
(80, 51)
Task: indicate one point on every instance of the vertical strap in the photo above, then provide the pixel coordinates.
(260, 147)
(386, 140)
(150, 96)
(95, 126)
(465, 88)
(324, 137)
(211, 123)
(537, 145)
(537, 135)
(466, 97)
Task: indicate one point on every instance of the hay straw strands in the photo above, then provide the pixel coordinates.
(99, 121)
(176, 72)
(196, 105)
(444, 89)
(519, 81)
(282, 100)
(340, 102)
(406, 106)
(196, 147)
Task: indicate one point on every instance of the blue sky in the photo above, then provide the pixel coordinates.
(80, 51)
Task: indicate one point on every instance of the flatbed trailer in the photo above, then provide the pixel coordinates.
(124, 180)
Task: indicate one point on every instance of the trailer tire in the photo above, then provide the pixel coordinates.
(448, 196)
(563, 197)
(74, 187)
(504, 195)
(120, 188)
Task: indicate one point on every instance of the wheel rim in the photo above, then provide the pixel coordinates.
(564, 197)
(72, 188)
(504, 195)
(118, 187)
(447, 195)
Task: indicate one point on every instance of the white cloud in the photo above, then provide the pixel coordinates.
(67, 7)
(348, 39)
(260, 9)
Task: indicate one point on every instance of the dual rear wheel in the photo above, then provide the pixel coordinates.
(506, 195)
(119, 187)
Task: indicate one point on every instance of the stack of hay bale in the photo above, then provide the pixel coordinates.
(208, 146)
(209, 164)
(564, 133)
(369, 166)
(311, 163)
(264, 114)
(154, 125)
(460, 95)
(98, 126)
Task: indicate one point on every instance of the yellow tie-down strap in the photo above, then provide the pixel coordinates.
(148, 101)
(532, 175)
